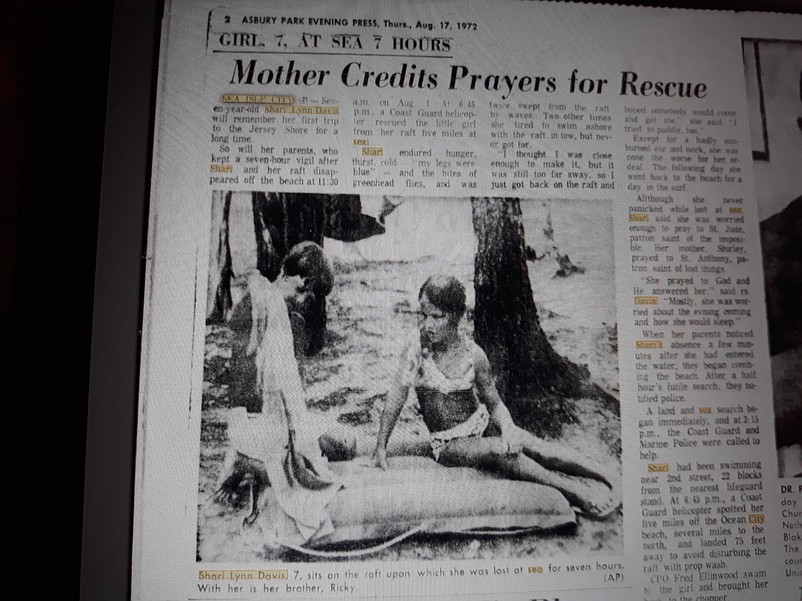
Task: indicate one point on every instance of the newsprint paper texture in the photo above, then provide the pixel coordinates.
(472, 300)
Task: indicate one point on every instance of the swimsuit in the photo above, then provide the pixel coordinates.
(420, 371)
(474, 426)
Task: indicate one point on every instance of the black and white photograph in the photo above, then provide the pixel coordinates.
(409, 378)
(773, 70)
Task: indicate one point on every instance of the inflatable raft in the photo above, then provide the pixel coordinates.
(416, 495)
(355, 503)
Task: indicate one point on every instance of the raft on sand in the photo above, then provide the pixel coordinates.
(302, 500)
(353, 502)
(418, 494)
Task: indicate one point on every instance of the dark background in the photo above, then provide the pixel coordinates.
(72, 234)
(55, 97)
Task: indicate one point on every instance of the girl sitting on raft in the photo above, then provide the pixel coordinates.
(469, 424)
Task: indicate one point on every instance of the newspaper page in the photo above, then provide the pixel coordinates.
(472, 300)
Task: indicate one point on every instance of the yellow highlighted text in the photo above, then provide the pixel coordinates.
(257, 99)
(302, 110)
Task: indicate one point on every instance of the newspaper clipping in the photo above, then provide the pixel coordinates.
(466, 300)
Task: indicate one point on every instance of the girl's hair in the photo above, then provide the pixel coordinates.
(446, 293)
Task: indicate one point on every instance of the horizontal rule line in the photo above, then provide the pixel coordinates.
(331, 53)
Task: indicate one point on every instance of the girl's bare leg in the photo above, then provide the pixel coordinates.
(592, 498)
(555, 456)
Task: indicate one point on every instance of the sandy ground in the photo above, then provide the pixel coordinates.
(371, 310)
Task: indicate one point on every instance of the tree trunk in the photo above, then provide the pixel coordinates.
(218, 300)
(269, 223)
(534, 381)
(306, 218)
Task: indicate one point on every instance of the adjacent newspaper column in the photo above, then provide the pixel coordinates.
(456, 299)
